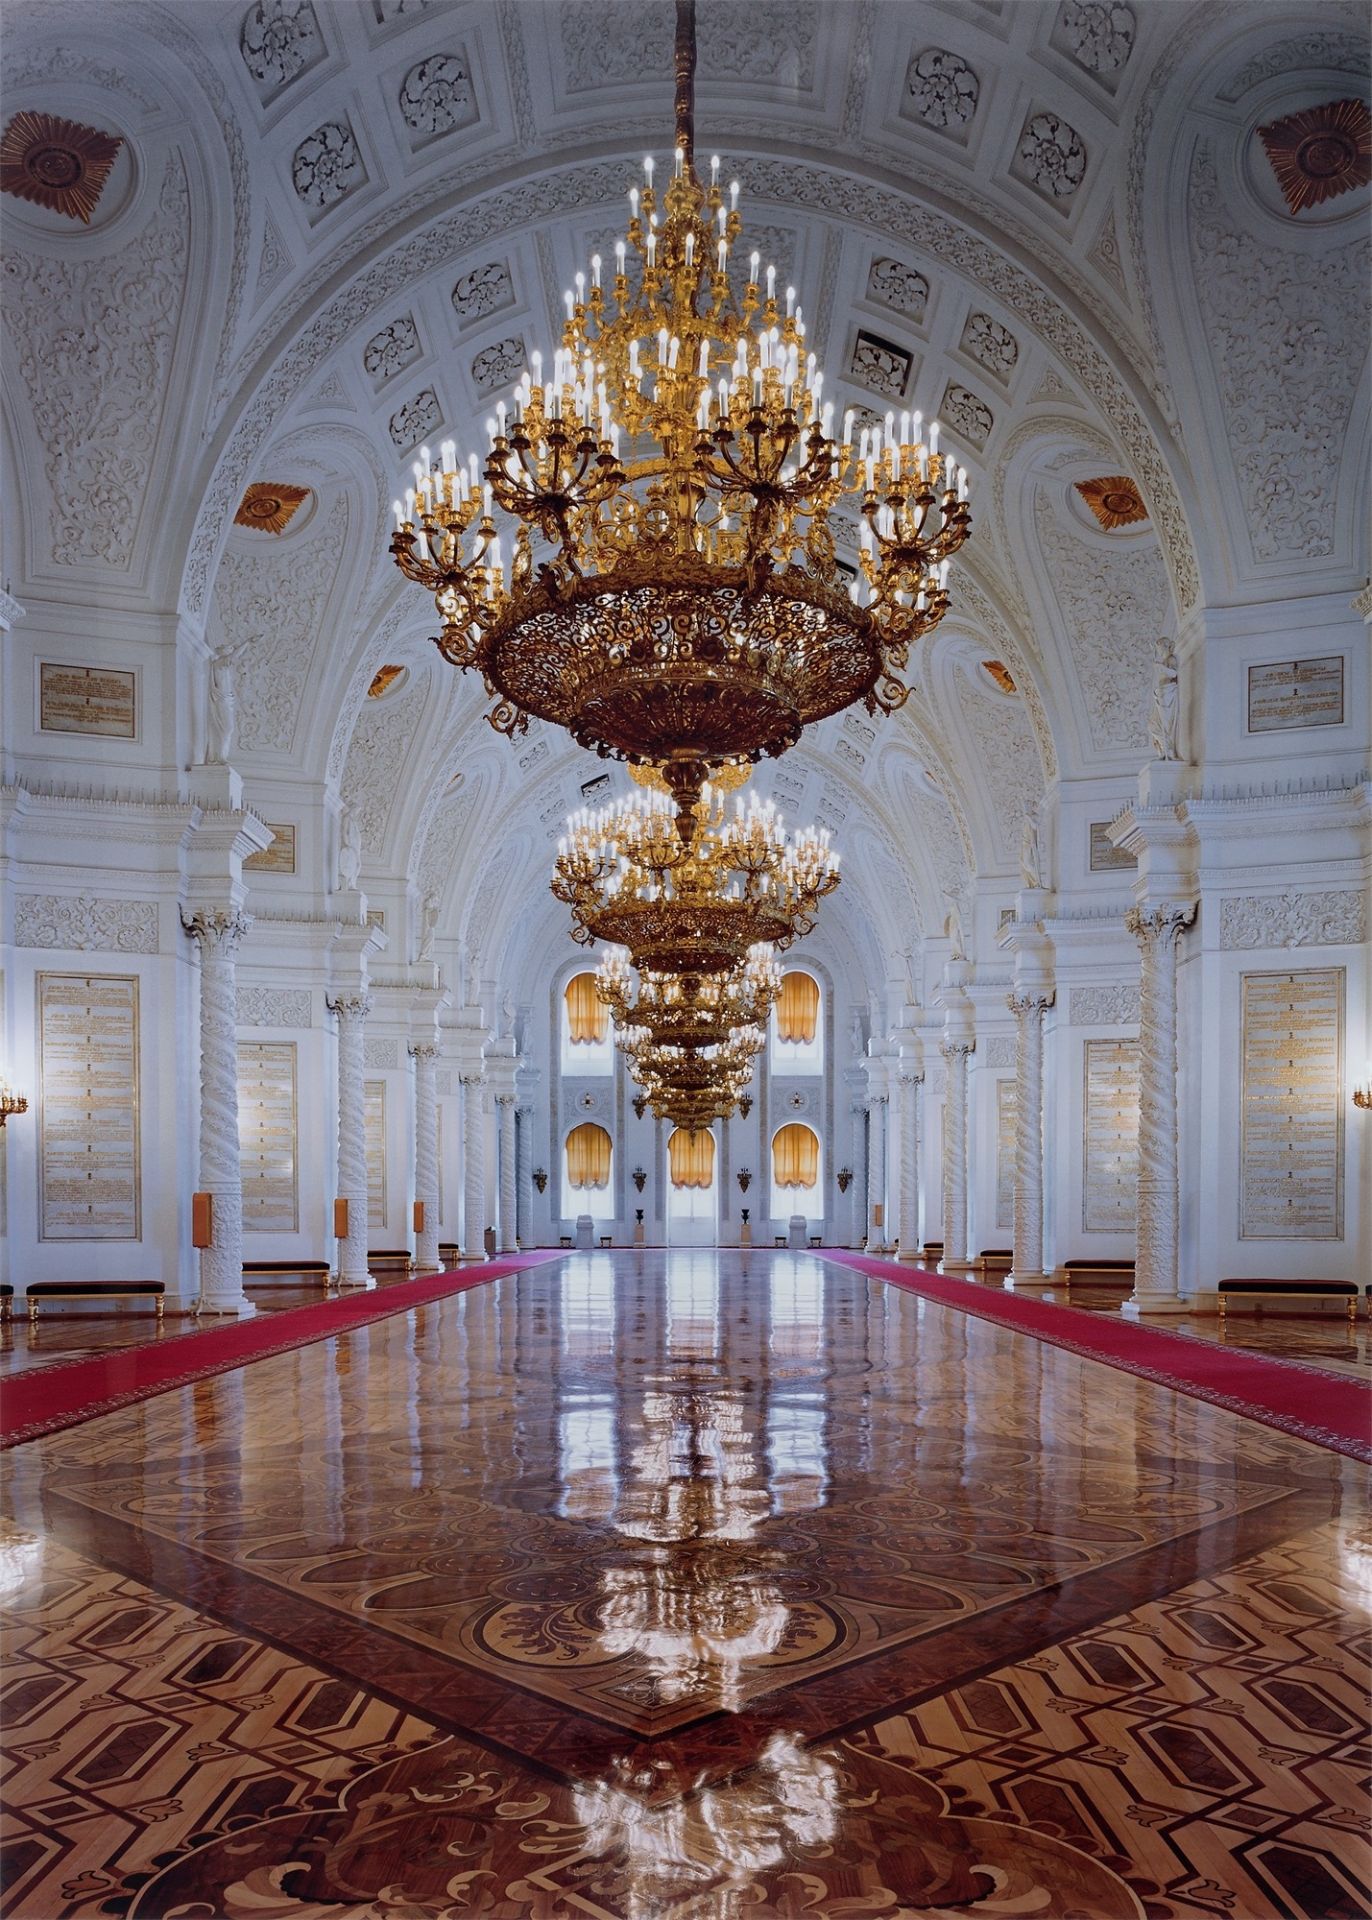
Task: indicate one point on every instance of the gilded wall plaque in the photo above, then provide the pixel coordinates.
(267, 1135)
(279, 857)
(55, 163)
(1287, 694)
(1110, 1137)
(374, 1096)
(1106, 857)
(89, 1172)
(1291, 1100)
(99, 700)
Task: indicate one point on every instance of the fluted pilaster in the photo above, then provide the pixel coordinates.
(351, 1012)
(1027, 1265)
(217, 932)
(505, 1107)
(425, 1059)
(473, 1166)
(1158, 930)
(911, 1089)
(955, 1055)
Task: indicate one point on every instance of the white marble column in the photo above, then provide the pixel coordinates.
(876, 1174)
(425, 1056)
(911, 1086)
(524, 1184)
(473, 1165)
(1157, 930)
(955, 1055)
(508, 1241)
(1027, 1263)
(217, 932)
(857, 1163)
(351, 1010)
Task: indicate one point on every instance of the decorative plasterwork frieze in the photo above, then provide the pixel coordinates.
(1330, 918)
(274, 1007)
(83, 925)
(1115, 1005)
(380, 1053)
(997, 1051)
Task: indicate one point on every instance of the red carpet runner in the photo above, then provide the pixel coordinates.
(1329, 1409)
(47, 1398)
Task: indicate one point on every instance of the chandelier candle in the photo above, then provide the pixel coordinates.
(672, 593)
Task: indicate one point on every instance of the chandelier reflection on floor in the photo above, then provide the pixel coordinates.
(667, 586)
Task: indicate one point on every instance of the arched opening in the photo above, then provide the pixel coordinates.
(692, 1189)
(795, 1172)
(586, 1044)
(588, 1157)
(797, 1025)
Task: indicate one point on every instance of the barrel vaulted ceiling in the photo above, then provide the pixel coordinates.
(337, 229)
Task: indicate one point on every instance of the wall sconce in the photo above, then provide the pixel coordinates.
(540, 1178)
(640, 1178)
(11, 1101)
(745, 1104)
(745, 1179)
(845, 1179)
(640, 1104)
(745, 1216)
(1362, 1089)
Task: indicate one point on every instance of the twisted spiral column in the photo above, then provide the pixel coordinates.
(217, 933)
(524, 1216)
(876, 1174)
(473, 1166)
(910, 1087)
(508, 1241)
(1028, 1009)
(1158, 930)
(858, 1163)
(955, 1054)
(425, 1057)
(351, 1012)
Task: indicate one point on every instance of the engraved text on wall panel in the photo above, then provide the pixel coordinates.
(1110, 1137)
(88, 1160)
(1291, 1152)
(267, 1135)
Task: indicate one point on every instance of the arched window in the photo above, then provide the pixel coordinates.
(795, 1158)
(691, 1157)
(797, 1026)
(586, 1044)
(589, 1150)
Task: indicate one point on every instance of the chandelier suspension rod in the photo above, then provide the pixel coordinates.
(685, 63)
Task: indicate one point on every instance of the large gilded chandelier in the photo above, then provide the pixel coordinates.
(694, 905)
(693, 1085)
(666, 587)
(688, 1009)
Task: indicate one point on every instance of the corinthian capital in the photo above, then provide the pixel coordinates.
(350, 1006)
(1030, 1000)
(421, 1050)
(216, 930)
(951, 1048)
(1161, 924)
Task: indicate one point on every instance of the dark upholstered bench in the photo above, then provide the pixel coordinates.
(260, 1270)
(1346, 1290)
(447, 1253)
(1099, 1273)
(6, 1300)
(38, 1290)
(932, 1249)
(996, 1257)
(391, 1260)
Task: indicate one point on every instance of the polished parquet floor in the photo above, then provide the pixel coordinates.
(692, 1585)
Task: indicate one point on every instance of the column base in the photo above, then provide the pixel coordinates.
(355, 1282)
(417, 1268)
(958, 1266)
(224, 1309)
(1027, 1282)
(1155, 1306)
(473, 1259)
(513, 1247)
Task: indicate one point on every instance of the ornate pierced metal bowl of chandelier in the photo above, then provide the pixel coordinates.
(691, 906)
(688, 1009)
(667, 586)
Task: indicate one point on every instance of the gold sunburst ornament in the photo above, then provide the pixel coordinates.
(270, 508)
(666, 586)
(55, 163)
(1115, 502)
(1321, 153)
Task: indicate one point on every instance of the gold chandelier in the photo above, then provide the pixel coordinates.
(691, 906)
(688, 1009)
(677, 466)
(693, 1085)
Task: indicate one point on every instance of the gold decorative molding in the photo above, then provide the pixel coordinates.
(1116, 501)
(1320, 153)
(1001, 674)
(268, 507)
(56, 163)
(384, 679)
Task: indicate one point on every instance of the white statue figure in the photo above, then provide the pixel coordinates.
(1162, 723)
(1030, 863)
(507, 1018)
(221, 708)
(952, 928)
(428, 926)
(349, 851)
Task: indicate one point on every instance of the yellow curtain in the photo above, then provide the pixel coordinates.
(588, 1156)
(586, 1014)
(692, 1158)
(797, 1008)
(795, 1157)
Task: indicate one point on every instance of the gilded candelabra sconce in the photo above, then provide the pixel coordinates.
(745, 1179)
(745, 1104)
(845, 1179)
(1362, 1090)
(640, 1104)
(640, 1178)
(540, 1178)
(11, 1101)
